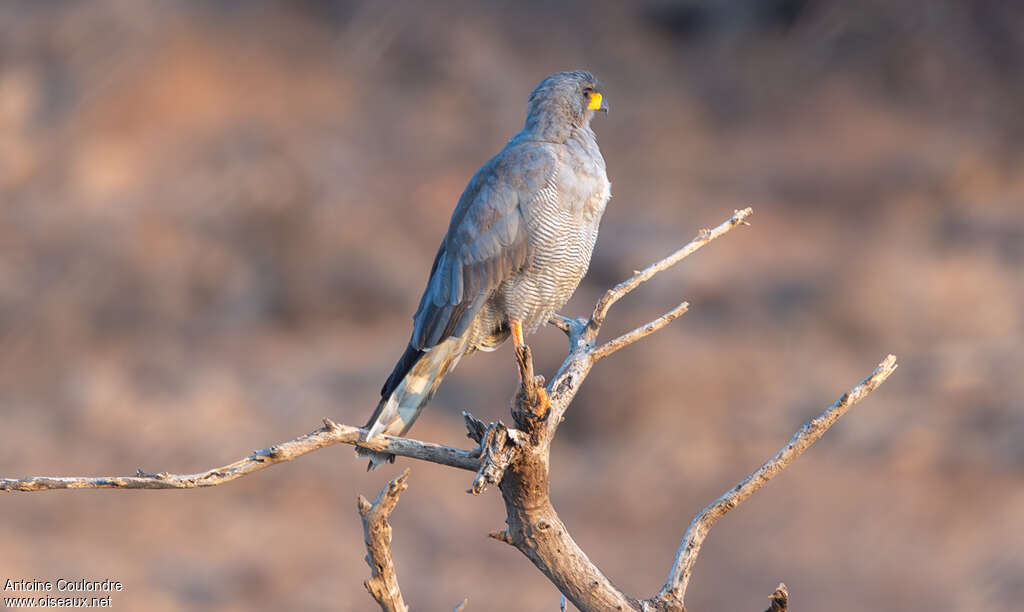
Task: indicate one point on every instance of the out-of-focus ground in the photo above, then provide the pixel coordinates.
(216, 220)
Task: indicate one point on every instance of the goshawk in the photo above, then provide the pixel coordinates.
(518, 244)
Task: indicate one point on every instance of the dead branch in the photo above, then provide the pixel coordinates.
(675, 587)
(535, 529)
(330, 434)
(383, 583)
(476, 428)
(780, 599)
(583, 332)
(497, 450)
(619, 291)
(641, 332)
(517, 460)
(533, 525)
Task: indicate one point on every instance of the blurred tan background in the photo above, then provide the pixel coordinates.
(216, 219)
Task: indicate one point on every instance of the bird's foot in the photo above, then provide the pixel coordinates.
(543, 401)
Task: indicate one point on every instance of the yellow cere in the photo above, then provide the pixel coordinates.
(595, 101)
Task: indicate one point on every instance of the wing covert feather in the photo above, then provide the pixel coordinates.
(486, 244)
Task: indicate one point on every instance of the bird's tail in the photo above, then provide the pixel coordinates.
(410, 386)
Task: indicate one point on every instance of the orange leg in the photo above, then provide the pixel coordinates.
(517, 332)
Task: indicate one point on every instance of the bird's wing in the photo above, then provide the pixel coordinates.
(487, 241)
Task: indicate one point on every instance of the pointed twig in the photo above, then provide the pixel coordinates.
(679, 577)
(383, 582)
(641, 332)
(619, 291)
(475, 427)
(497, 450)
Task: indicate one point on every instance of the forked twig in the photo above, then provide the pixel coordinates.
(679, 576)
(517, 460)
(619, 291)
(383, 582)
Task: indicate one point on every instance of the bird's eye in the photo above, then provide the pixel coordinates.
(587, 91)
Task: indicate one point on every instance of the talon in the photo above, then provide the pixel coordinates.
(543, 401)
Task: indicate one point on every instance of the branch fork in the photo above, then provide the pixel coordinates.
(517, 461)
(531, 404)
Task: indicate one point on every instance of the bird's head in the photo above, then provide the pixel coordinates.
(565, 99)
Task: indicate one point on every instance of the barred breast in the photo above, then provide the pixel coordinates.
(562, 227)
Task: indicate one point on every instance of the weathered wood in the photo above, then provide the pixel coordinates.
(679, 576)
(779, 599)
(383, 582)
(517, 460)
(330, 434)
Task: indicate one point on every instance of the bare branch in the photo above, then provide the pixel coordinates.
(532, 403)
(562, 322)
(328, 435)
(583, 332)
(534, 527)
(497, 450)
(575, 329)
(383, 583)
(517, 460)
(641, 332)
(476, 428)
(619, 291)
(675, 587)
(780, 599)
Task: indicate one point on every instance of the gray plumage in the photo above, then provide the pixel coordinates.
(518, 244)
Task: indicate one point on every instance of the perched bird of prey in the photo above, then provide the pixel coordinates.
(518, 244)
